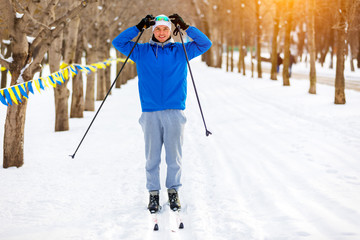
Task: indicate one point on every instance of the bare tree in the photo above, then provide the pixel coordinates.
(258, 37)
(288, 24)
(311, 42)
(242, 48)
(274, 48)
(341, 30)
(77, 99)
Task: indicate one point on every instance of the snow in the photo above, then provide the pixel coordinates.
(281, 164)
(30, 39)
(7, 42)
(9, 59)
(19, 15)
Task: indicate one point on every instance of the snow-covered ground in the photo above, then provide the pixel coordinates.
(281, 164)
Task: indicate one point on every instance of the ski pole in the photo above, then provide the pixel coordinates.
(112, 85)
(207, 132)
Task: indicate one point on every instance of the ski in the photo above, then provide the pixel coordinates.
(154, 218)
(175, 220)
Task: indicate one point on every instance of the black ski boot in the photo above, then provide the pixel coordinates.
(174, 200)
(153, 202)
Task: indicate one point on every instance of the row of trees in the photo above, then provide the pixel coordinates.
(38, 32)
(310, 30)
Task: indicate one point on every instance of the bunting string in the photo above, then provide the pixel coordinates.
(16, 93)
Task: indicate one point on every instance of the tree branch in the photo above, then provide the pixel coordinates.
(95, 19)
(57, 26)
(29, 16)
(43, 41)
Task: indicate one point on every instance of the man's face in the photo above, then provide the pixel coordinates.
(162, 33)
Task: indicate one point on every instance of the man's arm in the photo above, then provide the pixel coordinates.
(200, 44)
(123, 42)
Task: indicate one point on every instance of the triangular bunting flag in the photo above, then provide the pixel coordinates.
(22, 89)
(7, 96)
(29, 86)
(2, 98)
(12, 95)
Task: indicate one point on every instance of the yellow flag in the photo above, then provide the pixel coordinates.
(17, 90)
(92, 68)
(66, 73)
(44, 81)
(51, 82)
(12, 95)
(63, 65)
(37, 85)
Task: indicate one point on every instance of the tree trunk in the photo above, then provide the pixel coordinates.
(101, 85)
(62, 92)
(102, 55)
(274, 50)
(286, 62)
(91, 57)
(252, 62)
(227, 57)
(352, 65)
(258, 37)
(118, 67)
(14, 131)
(301, 43)
(232, 36)
(219, 51)
(5, 48)
(311, 43)
(241, 37)
(77, 99)
(209, 53)
(54, 62)
(15, 117)
(351, 51)
(358, 55)
(3, 78)
(232, 56)
(332, 47)
(108, 79)
(340, 55)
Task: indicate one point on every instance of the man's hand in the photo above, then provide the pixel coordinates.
(146, 22)
(177, 20)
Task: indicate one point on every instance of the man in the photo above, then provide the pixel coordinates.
(292, 61)
(279, 62)
(162, 72)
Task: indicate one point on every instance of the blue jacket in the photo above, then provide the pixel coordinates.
(162, 70)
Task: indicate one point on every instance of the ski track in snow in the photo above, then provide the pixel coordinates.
(281, 164)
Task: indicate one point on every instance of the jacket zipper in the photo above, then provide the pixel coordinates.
(162, 79)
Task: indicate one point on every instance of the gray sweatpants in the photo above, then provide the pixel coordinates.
(163, 128)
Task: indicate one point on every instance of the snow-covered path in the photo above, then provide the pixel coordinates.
(281, 164)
